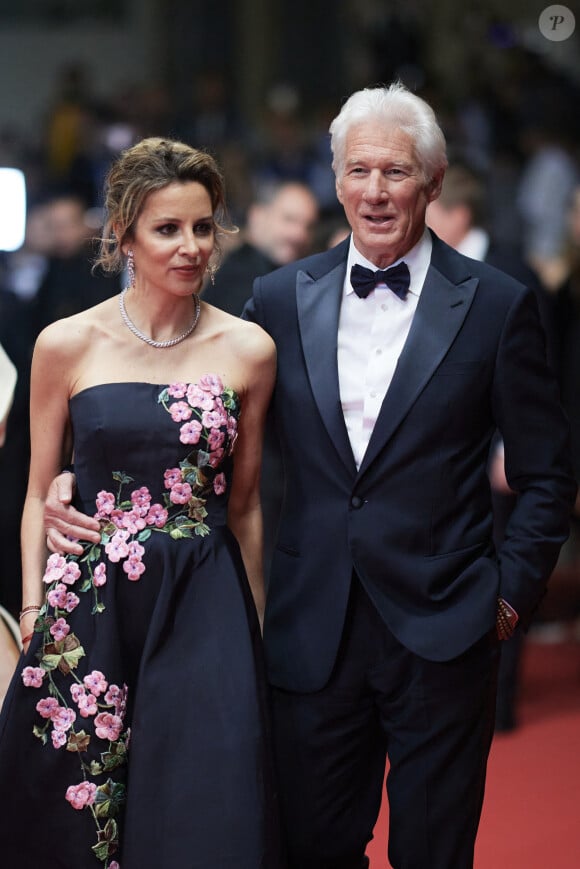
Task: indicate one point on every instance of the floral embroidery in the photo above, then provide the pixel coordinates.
(210, 411)
(94, 698)
(90, 714)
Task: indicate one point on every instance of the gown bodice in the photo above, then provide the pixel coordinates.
(131, 435)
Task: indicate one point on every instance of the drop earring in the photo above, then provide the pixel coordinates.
(131, 267)
(211, 270)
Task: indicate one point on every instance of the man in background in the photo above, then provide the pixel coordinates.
(69, 284)
(279, 229)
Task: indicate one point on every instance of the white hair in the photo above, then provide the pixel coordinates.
(399, 109)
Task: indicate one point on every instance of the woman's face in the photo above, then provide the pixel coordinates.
(173, 240)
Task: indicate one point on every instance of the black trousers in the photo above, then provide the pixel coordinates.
(433, 720)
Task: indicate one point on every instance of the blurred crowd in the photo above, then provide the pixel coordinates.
(513, 145)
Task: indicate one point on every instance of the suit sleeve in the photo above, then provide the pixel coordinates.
(253, 309)
(538, 468)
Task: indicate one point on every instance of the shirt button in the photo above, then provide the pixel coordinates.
(373, 394)
(356, 502)
(384, 307)
(378, 351)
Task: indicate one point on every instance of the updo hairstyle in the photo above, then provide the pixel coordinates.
(151, 165)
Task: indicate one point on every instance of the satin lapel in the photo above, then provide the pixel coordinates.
(318, 303)
(440, 313)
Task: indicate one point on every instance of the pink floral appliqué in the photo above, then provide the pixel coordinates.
(33, 676)
(81, 795)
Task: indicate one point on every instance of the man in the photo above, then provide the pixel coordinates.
(386, 596)
(69, 285)
(385, 587)
(279, 229)
(459, 217)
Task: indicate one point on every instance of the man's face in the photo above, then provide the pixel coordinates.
(450, 223)
(286, 225)
(67, 226)
(384, 192)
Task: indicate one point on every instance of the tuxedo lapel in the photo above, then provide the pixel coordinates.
(318, 302)
(442, 308)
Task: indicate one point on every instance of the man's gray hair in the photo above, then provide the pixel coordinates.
(398, 109)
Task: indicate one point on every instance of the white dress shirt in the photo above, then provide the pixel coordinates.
(474, 244)
(371, 336)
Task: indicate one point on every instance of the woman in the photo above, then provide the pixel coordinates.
(134, 734)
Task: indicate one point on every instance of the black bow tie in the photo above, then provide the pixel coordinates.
(397, 279)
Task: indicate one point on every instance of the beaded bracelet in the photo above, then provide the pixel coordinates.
(33, 608)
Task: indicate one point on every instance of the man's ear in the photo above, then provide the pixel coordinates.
(434, 185)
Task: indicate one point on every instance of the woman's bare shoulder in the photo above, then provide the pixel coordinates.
(68, 338)
(245, 338)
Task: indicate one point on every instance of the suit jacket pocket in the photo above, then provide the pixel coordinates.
(463, 550)
(288, 550)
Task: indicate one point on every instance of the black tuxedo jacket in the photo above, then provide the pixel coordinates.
(414, 521)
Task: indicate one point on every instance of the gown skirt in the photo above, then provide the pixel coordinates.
(135, 731)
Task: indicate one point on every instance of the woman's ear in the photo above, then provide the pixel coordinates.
(123, 245)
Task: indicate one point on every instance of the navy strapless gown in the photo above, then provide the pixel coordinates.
(134, 733)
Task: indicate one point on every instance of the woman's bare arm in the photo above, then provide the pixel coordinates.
(244, 510)
(50, 450)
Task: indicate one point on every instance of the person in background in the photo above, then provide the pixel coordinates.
(17, 339)
(8, 377)
(567, 326)
(139, 712)
(550, 173)
(279, 229)
(69, 284)
(459, 218)
(25, 268)
(9, 635)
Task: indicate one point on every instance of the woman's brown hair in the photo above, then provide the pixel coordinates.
(151, 165)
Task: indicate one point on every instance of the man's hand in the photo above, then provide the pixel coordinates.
(64, 524)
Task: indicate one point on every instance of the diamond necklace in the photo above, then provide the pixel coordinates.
(152, 343)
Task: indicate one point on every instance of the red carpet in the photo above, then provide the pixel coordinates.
(531, 815)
